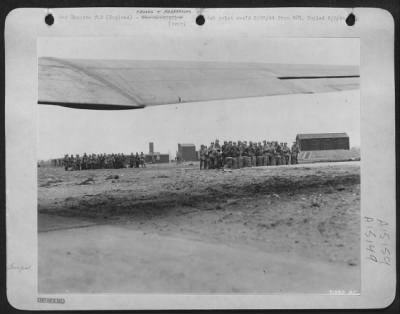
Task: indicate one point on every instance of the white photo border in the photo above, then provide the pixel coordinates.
(374, 27)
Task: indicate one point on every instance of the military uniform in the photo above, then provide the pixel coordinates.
(286, 153)
(259, 156)
(218, 158)
(217, 154)
(77, 162)
(103, 161)
(71, 162)
(265, 153)
(235, 156)
(65, 162)
(203, 157)
(272, 152)
(142, 161)
(225, 156)
(131, 160)
(294, 153)
(245, 154)
(211, 156)
(137, 160)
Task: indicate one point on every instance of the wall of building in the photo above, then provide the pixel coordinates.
(187, 153)
(313, 144)
(163, 158)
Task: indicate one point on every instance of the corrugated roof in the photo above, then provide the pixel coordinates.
(321, 135)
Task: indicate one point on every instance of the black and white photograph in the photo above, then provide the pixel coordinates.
(199, 160)
(199, 167)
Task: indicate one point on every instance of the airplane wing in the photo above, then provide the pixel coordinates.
(127, 84)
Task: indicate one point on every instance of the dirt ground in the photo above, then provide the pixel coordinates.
(308, 213)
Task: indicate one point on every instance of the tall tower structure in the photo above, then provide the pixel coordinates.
(151, 148)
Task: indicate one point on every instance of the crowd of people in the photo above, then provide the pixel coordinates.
(247, 154)
(215, 156)
(103, 161)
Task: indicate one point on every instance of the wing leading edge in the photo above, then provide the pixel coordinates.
(127, 84)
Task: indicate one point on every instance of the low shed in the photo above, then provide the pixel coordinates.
(157, 158)
(323, 141)
(187, 152)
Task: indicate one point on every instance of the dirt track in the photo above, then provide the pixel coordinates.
(309, 211)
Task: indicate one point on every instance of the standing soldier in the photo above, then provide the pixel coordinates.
(277, 153)
(211, 156)
(117, 161)
(71, 162)
(258, 153)
(77, 162)
(84, 161)
(265, 153)
(272, 150)
(235, 154)
(89, 161)
(142, 162)
(264, 160)
(218, 158)
(227, 155)
(244, 154)
(65, 162)
(203, 157)
(131, 160)
(282, 154)
(224, 148)
(215, 157)
(286, 153)
(137, 160)
(207, 155)
(109, 161)
(106, 161)
(112, 161)
(241, 154)
(123, 160)
(94, 161)
(251, 155)
(295, 153)
(254, 158)
(101, 161)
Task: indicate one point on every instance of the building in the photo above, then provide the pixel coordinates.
(56, 162)
(187, 152)
(155, 157)
(323, 141)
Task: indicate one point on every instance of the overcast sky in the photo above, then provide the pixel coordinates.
(64, 130)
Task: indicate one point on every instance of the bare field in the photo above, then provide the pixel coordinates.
(310, 210)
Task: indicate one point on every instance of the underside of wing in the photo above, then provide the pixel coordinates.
(127, 84)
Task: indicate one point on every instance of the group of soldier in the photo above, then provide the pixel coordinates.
(103, 161)
(247, 154)
(215, 156)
